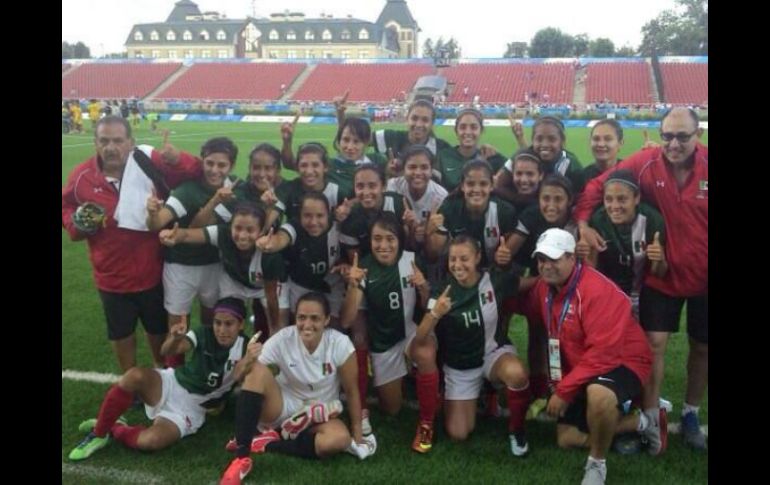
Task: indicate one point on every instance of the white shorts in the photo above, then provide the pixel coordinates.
(177, 405)
(228, 287)
(335, 297)
(291, 405)
(463, 385)
(394, 363)
(182, 282)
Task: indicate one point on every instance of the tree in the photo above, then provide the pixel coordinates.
(75, 51)
(551, 42)
(66, 50)
(602, 47)
(625, 51)
(682, 32)
(427, 48)
(581, 45)
(516, 49)
(446, 50)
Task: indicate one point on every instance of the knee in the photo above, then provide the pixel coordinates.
(601, 400)
(563, 441)
(514, 375)
(424, 354)
(131, 380)
(457, 432)
(391, 409)
(255, 379)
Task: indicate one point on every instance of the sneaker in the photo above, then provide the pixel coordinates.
(315, 413)
(423, 438)
(259, 443)
(691, 432)
(363, 450)
(519, 445)
(595, 473)
(236, 471)
(656, 434)
(536, 408)
(665, 404)
(366, 425)
(90, 444)
(89, 424)
(627, 443)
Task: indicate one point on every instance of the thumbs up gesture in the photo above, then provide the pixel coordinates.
(154, 204)
(170, 237)
(503, 254)
(647, 142)
(168, 152)
(654, 250)
(582, 248)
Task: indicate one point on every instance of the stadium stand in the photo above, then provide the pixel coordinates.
(116, 80)
(65, 67)
(508, 83)
(685, 83)
(626, 82)
(224, 81)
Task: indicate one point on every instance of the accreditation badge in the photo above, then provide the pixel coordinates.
(554, 359)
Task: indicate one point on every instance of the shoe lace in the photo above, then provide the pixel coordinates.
(89, 437)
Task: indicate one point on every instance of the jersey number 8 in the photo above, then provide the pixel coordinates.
(395, 304)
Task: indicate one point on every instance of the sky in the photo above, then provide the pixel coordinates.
(483, 28)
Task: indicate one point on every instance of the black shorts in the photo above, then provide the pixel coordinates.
(123, 309)
(659, 312)
(621, 380)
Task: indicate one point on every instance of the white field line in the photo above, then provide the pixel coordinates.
(111, 474)
(101, 378)
(173, 136)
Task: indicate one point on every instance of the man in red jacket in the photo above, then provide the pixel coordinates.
(127, 263)
(673, 178)
(598, 356)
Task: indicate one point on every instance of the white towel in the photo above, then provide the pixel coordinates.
(135, 187)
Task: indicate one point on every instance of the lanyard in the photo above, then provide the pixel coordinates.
(565, 307)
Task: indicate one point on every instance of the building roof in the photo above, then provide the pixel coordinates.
(398, 11)
(182, 9)
(231, 28)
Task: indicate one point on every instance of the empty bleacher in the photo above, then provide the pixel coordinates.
(620, 82)
(224, 81)
(65, 67)
(685, 83)
(366, 82)
(116, 80)
(508, 83)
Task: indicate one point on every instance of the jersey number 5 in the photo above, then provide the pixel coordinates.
(214, 380)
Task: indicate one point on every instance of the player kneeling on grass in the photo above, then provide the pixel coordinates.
(312, 361)
(221, 356)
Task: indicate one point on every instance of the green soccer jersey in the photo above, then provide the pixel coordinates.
(309, 259)
(470, 330)
(450, 163)
(390, 300)
(355, 229)
(341, 171)
(249, 269)
(569, 166)
(184, 202)
(398, 141)
(531, 225)
(209, 370)
(498, 220)
(289, 195)
(624, 260)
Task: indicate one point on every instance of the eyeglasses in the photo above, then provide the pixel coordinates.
(680, 137)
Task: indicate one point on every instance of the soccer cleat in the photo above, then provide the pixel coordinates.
(89, 424)
(519, 445)
(259, 443)
(366, 425)
(236, 471)
(90, 445)
(627, 443)
(595, 473)
(423, 438)
(691, 432)
(315, 413)
(656, 434)
(536, 408)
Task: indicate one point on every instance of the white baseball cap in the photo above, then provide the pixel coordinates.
(554, 242)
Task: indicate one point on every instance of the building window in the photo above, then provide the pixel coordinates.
(170, 35)
(291, 54)
(327, 35)
(172, 54)
(221, 35)
(222, 54)
(345, 35)
(363, 34)
(138, 36)
(154, 35)
(187, 35)
(328, 54)
(291, 35)
(204, 35)
(309, 35)
(273, 35)
(188, 54)
(409, 35)
(206, 53)
(273, 54)
(138, 54)
(345, 54)
(363, 55)
(155, 54)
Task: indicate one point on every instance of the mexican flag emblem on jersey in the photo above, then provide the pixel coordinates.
(255, 276)
(491, 232)
(405, 283)
(326, 368)
(488, 297)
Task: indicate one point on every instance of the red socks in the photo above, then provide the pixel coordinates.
(518, 402)
(362, 357)
(115, 403)
(128, 435)
(427, 395)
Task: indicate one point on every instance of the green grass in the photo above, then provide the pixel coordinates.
(485, 458)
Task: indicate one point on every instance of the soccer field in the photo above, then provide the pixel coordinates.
(484, 458)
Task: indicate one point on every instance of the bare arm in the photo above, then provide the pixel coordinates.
(176, 341)
(273, 311)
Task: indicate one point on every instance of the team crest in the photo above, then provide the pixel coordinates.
(326, 368)
(491, 231)
(255, 276)
(488, 297)
(405, 283)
